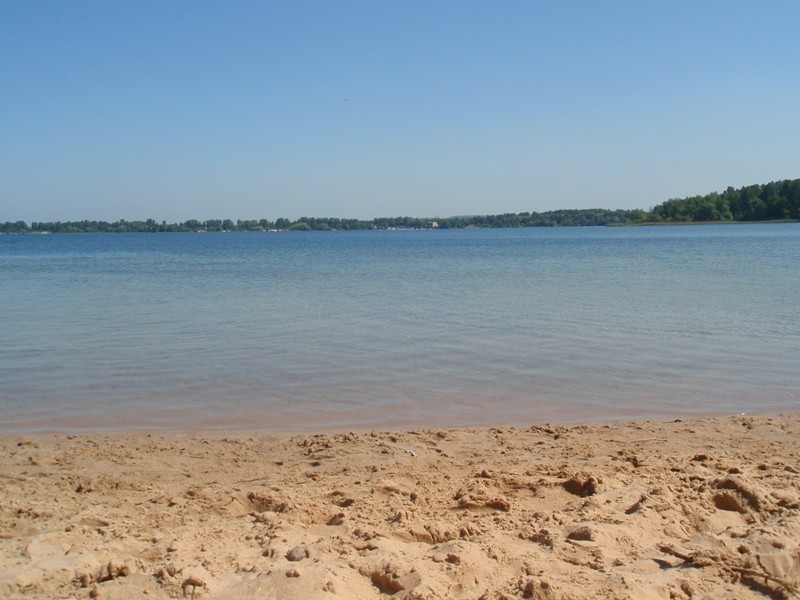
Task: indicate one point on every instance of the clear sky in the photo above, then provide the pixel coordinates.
(176, 110)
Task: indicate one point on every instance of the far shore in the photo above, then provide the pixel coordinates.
(665, 223)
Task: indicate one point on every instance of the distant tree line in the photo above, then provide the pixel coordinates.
(777, 200)
(553, 218)
(774, 201)
(557, 218)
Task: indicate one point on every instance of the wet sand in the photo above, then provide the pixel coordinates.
(700, 508)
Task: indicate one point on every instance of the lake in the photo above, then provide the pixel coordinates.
(376, 329)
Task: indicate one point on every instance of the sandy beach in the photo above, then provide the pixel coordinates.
(703, 508)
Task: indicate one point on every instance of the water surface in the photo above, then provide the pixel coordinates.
(336, 330)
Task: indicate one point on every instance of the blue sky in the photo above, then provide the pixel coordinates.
(178, 110)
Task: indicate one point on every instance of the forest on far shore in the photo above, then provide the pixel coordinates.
(774, 201)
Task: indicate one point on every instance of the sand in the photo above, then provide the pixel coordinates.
(705, 508)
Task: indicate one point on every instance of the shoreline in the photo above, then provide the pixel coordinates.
(335, 423)
(688, 507)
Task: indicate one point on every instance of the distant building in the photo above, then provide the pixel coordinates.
(432, 225)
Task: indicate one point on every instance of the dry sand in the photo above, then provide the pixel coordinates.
(706, 508)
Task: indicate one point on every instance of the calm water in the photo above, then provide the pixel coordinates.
(376, 329)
